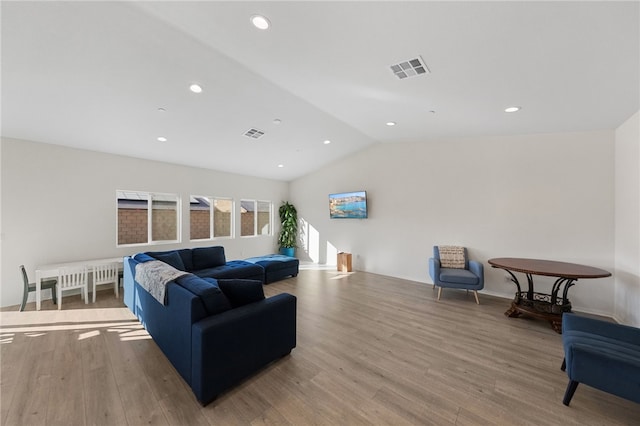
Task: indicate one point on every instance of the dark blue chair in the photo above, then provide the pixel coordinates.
(601, 354)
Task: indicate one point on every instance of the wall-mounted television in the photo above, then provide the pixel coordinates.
(348, 205)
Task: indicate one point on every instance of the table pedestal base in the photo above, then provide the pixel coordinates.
(540, 307)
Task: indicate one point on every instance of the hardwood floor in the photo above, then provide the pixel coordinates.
(371, 350)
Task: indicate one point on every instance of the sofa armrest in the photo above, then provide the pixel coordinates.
(434, 269)
(231, 346)
(478, 270)
(592, 360)
(128, 283)
(170, 325)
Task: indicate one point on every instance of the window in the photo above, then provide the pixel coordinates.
(210, 217)
(133, 218)
(264, 218)
(247, 221)
(255, 218)
(164, 217)
(200, 218)
(146, 218)
(223, 217)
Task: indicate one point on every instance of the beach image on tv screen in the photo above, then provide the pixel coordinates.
(348, 205)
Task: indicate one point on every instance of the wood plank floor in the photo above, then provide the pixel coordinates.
(371, 350)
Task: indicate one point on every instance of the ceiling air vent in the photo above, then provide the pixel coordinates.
(254, 133)
(410, 68)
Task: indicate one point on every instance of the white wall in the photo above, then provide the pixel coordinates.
(627, 218)
(58, 204)
(547, 196)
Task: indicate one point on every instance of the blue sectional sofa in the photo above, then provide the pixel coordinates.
(209, 262)
(215, 332)
(601, 354)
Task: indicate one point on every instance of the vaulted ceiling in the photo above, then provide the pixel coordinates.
(115, 76)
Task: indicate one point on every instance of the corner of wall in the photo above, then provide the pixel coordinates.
(627, 222)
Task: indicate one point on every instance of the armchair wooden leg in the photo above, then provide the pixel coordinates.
(475, 292)
(439, 292)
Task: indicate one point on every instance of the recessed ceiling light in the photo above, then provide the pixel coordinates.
(195, 88)
(327, 142)
(162, 110)
(512, 109)
(277, 121)
(260, 22)
(162, 139)
(280, 165)
(391, 123)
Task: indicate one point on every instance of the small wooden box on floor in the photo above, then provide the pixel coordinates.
(344, 262)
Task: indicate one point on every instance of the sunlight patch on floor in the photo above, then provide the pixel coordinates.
(88, 334)
(26, 318)
(342, 275)
(87, 323)
(316, 266)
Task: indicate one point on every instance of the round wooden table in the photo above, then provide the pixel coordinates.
(549, 307)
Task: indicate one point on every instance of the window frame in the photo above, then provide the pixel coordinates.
(150, 198)
(212, 229)
(270, 212)
(255, 203)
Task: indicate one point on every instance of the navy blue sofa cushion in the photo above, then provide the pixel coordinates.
(169, 257)
(208, 257)
(143, 257)
(187, 258)
(213, 298)
(233, 269)
(207, 262)
(242, 292)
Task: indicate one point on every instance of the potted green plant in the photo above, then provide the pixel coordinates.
(288, 228)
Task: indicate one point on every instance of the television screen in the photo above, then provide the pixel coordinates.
(348, 205)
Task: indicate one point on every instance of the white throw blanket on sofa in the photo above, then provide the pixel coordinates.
(154, 276)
